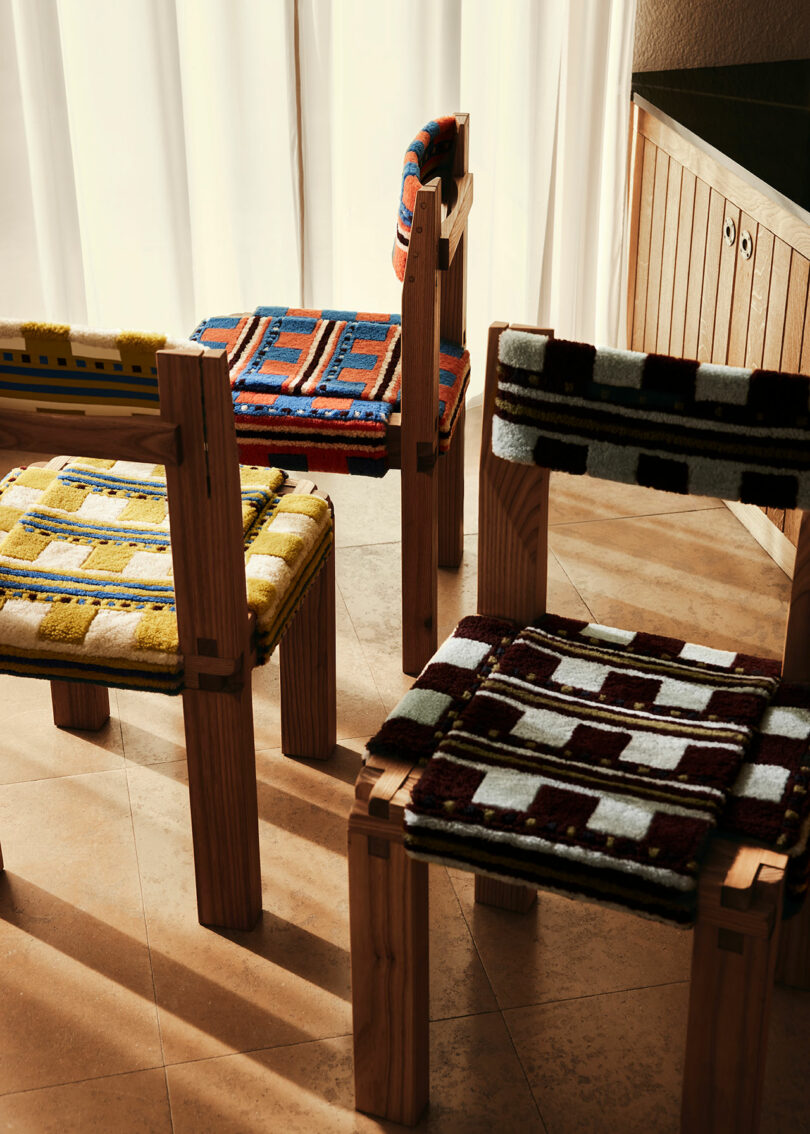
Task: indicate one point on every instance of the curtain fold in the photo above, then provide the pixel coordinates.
(167, 160)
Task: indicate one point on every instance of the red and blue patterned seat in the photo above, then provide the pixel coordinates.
(315, 390)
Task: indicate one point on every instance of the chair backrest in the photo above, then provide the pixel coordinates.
(56, 367)
(430, 259)
(84, 392)
(660, 422)
(431, 154)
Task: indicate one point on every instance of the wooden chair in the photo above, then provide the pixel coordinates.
(736, 896)
(86, 597)
(320, 390)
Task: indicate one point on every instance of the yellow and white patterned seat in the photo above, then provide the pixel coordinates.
(86, 569)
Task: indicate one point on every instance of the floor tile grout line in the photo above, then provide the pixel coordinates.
(535, 1099)
(146, 928)
(593, 995)
(84, 1079)
(564, 570)
(253, 1050)
(145, 920)
(634, 516)
(495, 998)
(359, 639)
(168, 1097)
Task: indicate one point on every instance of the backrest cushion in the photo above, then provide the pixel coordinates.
(429, 155)
(666, 423)
(52, 366)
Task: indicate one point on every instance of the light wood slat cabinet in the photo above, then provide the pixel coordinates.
(699, 288)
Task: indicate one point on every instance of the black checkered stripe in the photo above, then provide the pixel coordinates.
(666, 423)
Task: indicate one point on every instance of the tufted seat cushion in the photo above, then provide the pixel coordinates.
(596, 761)
(315, 390)
(86, 570)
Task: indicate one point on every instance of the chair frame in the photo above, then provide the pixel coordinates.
(433, 306)
(736, 942)
(195, 439)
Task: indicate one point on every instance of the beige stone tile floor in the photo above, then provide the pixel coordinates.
(119, 1013)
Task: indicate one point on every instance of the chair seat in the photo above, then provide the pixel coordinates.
(86, 587)
(596, 761)
(316, 389)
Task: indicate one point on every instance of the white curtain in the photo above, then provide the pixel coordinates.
(166, 160)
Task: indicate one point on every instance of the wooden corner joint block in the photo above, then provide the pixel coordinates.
(427, 453)
(382, 793)
(216, 675)
(741, 888)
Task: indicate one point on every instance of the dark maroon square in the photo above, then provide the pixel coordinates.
(484, 714)
(666, 375)
(663, 473)
(678, 837)
(627, 688)
(569, 362)
(562, 807)
(716, 767)
(593, 744)
(745, 708)
(521, 660)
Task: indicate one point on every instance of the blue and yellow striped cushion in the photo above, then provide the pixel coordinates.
(86, 591)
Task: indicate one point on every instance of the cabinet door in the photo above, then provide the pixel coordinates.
(710, 277)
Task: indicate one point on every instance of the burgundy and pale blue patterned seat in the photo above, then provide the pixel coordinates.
(360, 392)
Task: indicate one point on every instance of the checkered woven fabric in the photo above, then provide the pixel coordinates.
(578, 757)
(429, 155)
(648, 419)
(314, 390)
(770, 800)
(86, 590)
(49, 366)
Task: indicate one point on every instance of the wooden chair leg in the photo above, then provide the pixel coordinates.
(504, 895)
(451, 497)
(793, 962)
(308, 676)
(512, 521)
(733, 962)
(224, 807)
(388, 911)
(79, 705)
(420, 564)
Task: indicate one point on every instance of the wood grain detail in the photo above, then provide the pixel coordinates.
(659, 220)
(512, 521)
(697, 262)
(741, 302)
(644, 236)
(78, 704)
(682, 256)
(110, 437)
